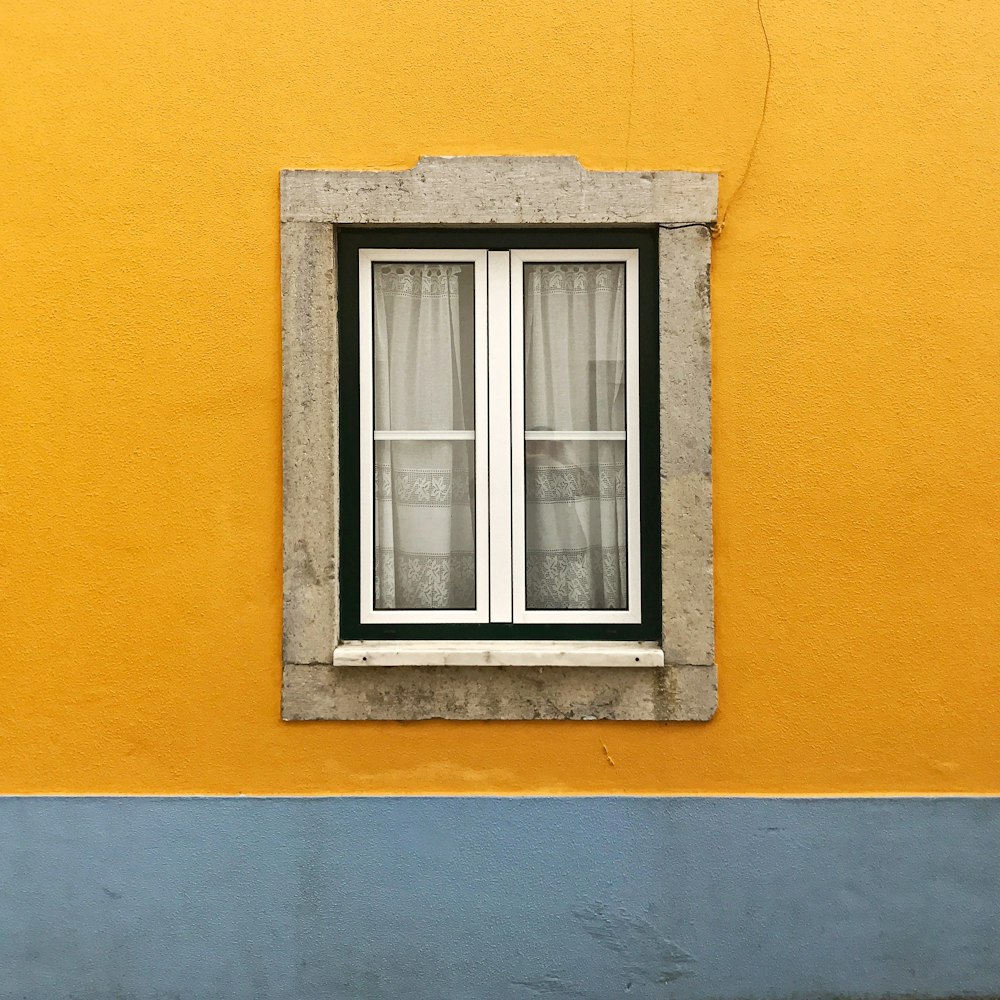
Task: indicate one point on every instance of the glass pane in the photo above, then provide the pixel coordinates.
(425, 534)
(575, 521)
(574, 347)
(424, 346)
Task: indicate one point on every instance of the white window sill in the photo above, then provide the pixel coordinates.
(395, 653)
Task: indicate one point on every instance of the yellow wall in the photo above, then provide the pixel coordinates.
(856, 348)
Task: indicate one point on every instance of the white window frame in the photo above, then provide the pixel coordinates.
(501, 496)
(369, 613)
(498, 367)
(632, 434)
(325, 677)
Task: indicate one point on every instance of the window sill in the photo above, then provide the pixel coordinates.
(497, 654)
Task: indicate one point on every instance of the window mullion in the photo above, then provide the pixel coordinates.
(499, 436)
(516, 443)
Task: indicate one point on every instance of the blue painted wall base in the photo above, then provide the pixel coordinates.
(440, 898)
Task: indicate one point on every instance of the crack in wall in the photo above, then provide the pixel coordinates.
(720, 225)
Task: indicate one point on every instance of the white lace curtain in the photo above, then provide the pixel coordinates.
(574, 374)
(574, 489)
(425, 488)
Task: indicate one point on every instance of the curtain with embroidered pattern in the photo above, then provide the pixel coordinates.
(574, 449)
(424, 483)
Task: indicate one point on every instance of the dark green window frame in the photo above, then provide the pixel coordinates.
(350, 240)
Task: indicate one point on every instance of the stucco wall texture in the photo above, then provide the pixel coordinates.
(855, 319)
(596, 898)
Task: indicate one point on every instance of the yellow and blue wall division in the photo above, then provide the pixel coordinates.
(833, 831)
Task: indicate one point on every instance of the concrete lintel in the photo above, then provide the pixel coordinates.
(681, 692)
(498, 190)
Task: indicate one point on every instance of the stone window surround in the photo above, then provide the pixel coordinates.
(325, 678)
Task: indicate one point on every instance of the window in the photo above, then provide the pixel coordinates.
(509, 423)
(503, 438)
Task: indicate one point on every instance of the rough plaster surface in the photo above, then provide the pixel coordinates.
(854, 400)
(476, 190)
(476, 898)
